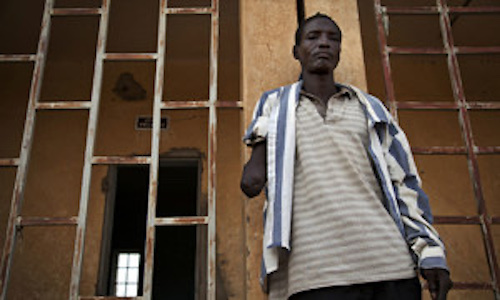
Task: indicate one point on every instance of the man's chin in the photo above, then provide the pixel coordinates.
(321, 70)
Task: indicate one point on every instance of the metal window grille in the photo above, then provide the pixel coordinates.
(461, 104)
(16, 222)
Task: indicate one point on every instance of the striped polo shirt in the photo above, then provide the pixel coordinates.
(336, 198)
(405, 201)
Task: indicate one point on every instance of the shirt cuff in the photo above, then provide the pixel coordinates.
(433, 257)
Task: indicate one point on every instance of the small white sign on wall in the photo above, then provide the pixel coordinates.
(146, 123)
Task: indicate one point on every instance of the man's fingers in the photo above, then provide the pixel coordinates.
(432, 282)
(439, 283)
(433, 287)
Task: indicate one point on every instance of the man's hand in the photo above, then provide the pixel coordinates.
(254, 175)
(439, 282)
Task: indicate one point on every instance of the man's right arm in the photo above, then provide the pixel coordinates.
(254, 175)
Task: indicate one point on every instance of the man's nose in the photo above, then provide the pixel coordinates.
(324, 41)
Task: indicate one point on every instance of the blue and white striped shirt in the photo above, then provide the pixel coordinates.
(389, 150)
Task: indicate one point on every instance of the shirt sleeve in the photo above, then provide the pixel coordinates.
(413, 203)
(258, 128)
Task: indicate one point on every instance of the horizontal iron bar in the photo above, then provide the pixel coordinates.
(487, 150)
(415, 10)
(64, 105)
(495, 220)
(9, 162)
(46, 221)
(190, 10)
(121, 160)
(474, 9)
(109, 298)
(17, 57)
(447, 105)
(181, 221)
(434, 51)
(439, 150)
(229, 104)
(415, 50)
(483, 105)
(476, 50)
(199, 104)
(130, 56)
(426, 105)
(455, 150)
(423, 10)
(76, 11)
(457, 220)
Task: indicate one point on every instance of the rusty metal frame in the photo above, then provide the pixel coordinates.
(40, 221)
(89, 150)
(16, 221)
(189, 10)
(212, 152)
(9, 162)
(17, 57)
(26, 144)
(110, 298)
(77, 11)
(155, 156)
(158, 106)
(461, 106)
(130, 56)
(64, 105)
(121, 160)
(199, 104)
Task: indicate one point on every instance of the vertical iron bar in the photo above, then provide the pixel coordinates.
(89, 152)
(459, 95)
(384, 52)
(27, 142)
(155, 156)
(212, 152)
(301, 12)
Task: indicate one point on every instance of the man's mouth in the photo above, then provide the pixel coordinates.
(323, 55)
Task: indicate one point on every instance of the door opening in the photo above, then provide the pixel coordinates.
(179, 256)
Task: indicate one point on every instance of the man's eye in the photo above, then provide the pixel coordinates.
(334, 38)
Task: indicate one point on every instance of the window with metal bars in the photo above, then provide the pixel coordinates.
(126, 283)
(76, 125)
(434, 62)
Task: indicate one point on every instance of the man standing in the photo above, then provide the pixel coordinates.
(345, 216)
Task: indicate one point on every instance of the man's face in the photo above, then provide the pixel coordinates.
(319, 48)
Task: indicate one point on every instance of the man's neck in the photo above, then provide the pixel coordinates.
(320, 85)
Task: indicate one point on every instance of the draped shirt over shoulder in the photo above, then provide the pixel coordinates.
(389, 151)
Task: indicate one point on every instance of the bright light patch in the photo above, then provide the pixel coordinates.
(127, 274)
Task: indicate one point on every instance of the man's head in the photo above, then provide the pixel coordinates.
(317, 44)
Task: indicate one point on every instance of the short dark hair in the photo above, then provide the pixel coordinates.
(300, 28)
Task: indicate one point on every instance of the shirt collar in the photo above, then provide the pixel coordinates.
(343, 91)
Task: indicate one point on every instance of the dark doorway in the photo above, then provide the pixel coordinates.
(177, 249)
